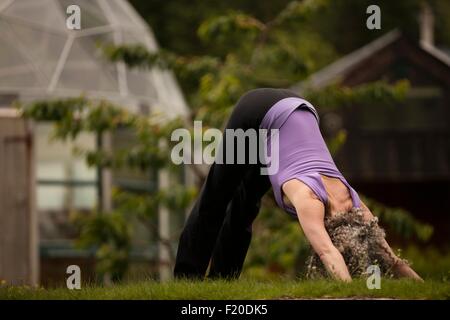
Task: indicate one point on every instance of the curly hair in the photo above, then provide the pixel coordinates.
(359, 240)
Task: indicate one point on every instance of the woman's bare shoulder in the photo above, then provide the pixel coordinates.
(295, 190)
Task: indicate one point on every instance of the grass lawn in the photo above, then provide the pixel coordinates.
(240, 289)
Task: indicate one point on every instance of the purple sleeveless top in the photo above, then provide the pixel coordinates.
(303, 153)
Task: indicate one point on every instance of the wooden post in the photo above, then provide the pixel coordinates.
(105, 175)
(165, 270)
(19, 257)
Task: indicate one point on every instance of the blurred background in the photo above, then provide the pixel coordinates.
(86, 117)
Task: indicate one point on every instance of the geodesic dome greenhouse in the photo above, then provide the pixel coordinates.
(41, 58)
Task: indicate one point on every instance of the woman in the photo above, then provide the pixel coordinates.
(307, 185)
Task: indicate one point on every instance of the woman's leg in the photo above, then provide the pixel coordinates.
(236, 232)
(199, 235)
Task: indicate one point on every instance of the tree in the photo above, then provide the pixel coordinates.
(344, 17)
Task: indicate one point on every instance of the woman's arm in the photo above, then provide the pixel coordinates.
(311, 214)
(401, 269)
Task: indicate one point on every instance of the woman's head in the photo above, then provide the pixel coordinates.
(360, 243)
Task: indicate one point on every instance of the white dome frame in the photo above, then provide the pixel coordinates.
(44, 59)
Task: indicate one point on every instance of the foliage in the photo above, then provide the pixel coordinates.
(400, 221)
(336, 96)
(110, 233)
(429, 262)
(336, 18)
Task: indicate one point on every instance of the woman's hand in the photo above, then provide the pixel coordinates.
(311, 214)
(403, 270)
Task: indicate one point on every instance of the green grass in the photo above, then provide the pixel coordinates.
(240, 289)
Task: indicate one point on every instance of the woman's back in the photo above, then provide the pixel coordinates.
(304, 157)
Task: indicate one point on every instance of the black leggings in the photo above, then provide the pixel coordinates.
(219, 227)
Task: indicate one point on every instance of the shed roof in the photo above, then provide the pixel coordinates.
(342, 66)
